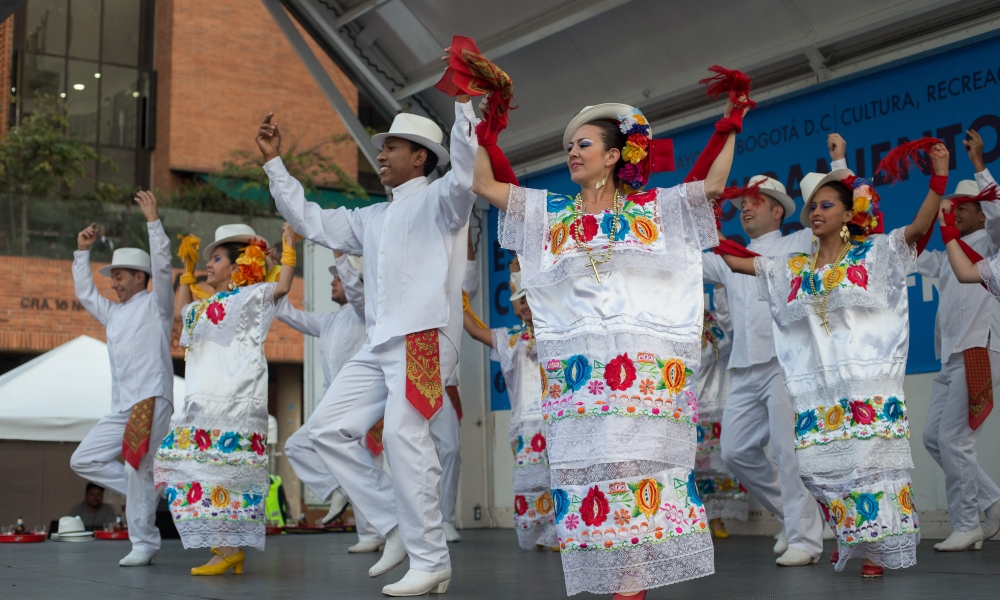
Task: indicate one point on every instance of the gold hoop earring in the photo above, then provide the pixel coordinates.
(603, 180)
(845, 234)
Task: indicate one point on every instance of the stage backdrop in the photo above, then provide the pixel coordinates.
(940, 95)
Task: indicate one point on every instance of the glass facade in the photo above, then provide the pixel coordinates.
(97, 55)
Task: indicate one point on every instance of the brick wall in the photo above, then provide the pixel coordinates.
(223, 65)
(38, 311)
(6, 49)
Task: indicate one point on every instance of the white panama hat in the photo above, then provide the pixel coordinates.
(128, 258)
(416, 129)
(595, 113)
(811, 183)
(965, 188)
(356, 262)
(773, 188)
(238, 232)
(72, 529)
(516, 291)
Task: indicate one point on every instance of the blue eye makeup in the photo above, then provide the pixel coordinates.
(586, 143)
(827, 205)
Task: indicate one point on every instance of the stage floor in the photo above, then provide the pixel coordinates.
(487, 564)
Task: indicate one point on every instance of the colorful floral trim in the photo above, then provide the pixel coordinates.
(195, 500)
(638, 225)
(872, 515)
(214, 446)
(852, 419)
(212, 308)
(529, 448)
(721, 488)
(709, 435)
(648, 386)
(850, 274)
(533, 510)
(624, 514)
(635, 173)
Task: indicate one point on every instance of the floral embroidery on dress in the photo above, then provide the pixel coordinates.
(213, 308)
(863, 419)
(632, 512)
(213, 446)
(647, 386)
(194, 501)
(638, 225)
(867, 515)
(533, 510)
(850, 274)
(529, 448)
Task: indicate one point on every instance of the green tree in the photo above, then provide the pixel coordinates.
(37, 157)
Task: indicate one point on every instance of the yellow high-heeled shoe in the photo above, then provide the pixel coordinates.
(233, 561)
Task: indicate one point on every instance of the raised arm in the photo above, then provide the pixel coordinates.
(288, 260)
(475, 331)
(83, 279)
(740, 265)
(456, 195)
(484, 182)
(354, 286)
(965, 270)
(929, 209)
(306, 323)
(338, 229)
(718, 173)
(159, 254)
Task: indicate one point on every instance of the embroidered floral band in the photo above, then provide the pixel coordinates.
(533, 509)
(528, 447)
(195, 500)
(640, 385)
(612, 515)
(213, 446)
(135, 442)
(709, 436)
(863, 419)
(721, 488)
(872, 513)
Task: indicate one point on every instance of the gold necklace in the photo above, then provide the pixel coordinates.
(578, 214)
(820, 310)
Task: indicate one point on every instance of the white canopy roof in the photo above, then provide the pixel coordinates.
(59, 396)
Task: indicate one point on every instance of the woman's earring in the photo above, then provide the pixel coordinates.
(603, 180)
(232, 286)
(845, 234)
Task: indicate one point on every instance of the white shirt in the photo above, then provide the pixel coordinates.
(470, 285)
(138, 330)
(414, 247)
(753, 340)
(341, 333)
(967, 316)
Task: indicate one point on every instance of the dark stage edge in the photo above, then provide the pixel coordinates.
(487, 564)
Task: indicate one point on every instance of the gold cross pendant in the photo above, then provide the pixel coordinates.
(593, 265)
(826, 325)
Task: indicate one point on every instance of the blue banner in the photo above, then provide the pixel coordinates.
(940, 95)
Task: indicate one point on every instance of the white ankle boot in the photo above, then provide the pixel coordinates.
(338, 504)
(781, 546)
(793, 557)
(393, 555)
(992, 525)
(137, 558)
(961, 540)
(364, 547)
(418, 583)
(450, 533)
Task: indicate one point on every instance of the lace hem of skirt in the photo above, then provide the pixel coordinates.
(895, 552)
(214, 534)
(727, 509)
(610, 342)
(641, 568)
(530, 539)
(636, 439)
(848, 459)
(532, 478)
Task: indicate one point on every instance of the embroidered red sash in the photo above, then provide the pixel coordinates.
(423, 372)
(135, 442)
(979, 379)
(452, 391)
(373, 439)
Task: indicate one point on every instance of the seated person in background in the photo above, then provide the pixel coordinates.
(94, 512)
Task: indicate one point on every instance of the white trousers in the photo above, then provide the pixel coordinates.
(758, 410)
(312, 471)
(949, 439)
(95, 460)
(446, 434)
(371, 385)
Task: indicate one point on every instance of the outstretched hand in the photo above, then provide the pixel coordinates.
(944, 208)
(269, 138)
(287, 235)
(837, 146)
(974, 147)
(86, 238)
(147, 202)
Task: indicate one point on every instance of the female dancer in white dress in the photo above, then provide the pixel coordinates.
(614, 280)
(841, 331)
(213, 465)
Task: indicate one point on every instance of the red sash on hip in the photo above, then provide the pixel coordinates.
(135, 442)
(373, 439)
(456, 402)
(423, 372)
(979, 378)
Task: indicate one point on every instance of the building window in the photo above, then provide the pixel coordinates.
(97, 55)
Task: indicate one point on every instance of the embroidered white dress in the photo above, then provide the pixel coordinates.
(514, 348)
(722, 494)
(213, 465)
(620, 359)
(851, 431)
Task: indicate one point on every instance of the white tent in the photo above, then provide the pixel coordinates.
(59, 396)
